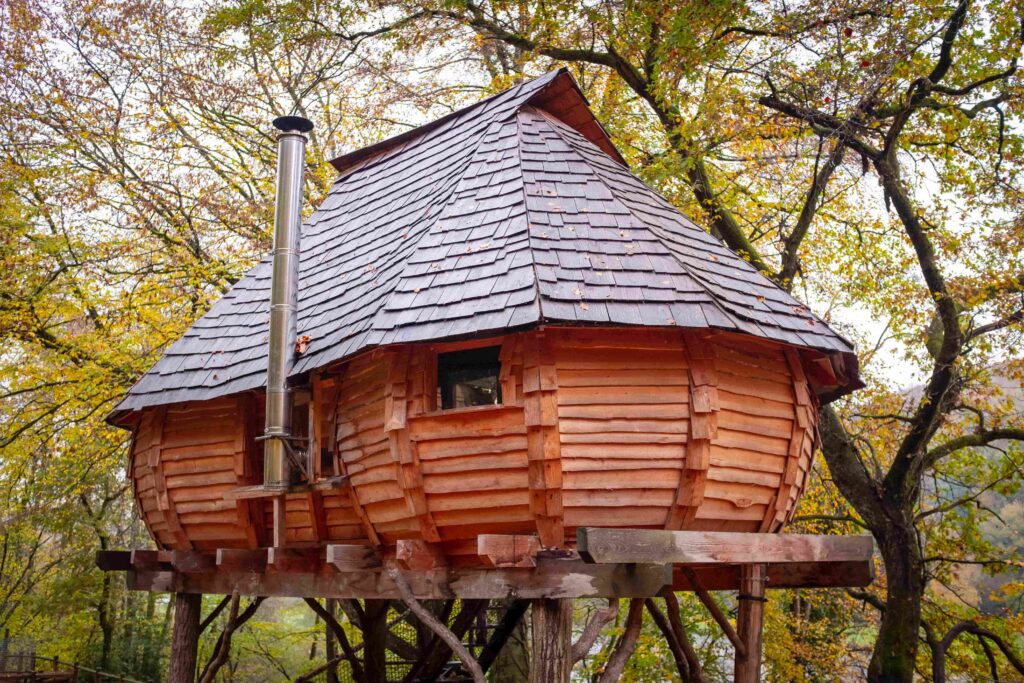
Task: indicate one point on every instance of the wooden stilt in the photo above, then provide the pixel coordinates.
(750, 621)
(552, 640)
(279, 522)
(185, 639)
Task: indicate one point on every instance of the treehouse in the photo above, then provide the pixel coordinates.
(489, 327)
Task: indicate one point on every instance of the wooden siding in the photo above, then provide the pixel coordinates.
(638, 428)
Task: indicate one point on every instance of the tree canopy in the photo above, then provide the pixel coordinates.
(866, 155)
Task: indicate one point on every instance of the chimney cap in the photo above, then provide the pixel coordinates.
(287, 124)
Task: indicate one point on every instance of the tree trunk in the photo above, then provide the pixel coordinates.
(552, 640)
(896, 646)
(750, 622)
(185, 639)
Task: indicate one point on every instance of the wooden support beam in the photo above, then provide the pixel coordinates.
(418, 555)
(193, 562)
(150, 560)
(234, 560)
(294, 560)
(750, 622)
(114, 560)
(783, 575)
(279, 534)
(258, 491)
(717, 547)
(551, 578)
(508, 550)
(350, 557)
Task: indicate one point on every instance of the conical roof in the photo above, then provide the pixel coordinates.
(513, 212)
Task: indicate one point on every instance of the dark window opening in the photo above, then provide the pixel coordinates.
(469, 378)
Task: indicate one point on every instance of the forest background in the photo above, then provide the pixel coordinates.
(865, 154)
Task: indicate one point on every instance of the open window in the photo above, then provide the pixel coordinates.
(469, 378)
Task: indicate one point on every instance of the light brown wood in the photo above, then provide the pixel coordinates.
(625, 428)
(418, 555)
(508, 550)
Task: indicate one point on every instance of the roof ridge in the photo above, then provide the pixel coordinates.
(526, 207)
(657, 232)
(343, 162)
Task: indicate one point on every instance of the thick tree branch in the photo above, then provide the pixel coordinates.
(973, 441)
(626, 643)
(790, 252)
(592, 630)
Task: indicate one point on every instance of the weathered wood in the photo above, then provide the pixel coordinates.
(750, 622)
(231, 560)
(551, 578)
(193, 562)
(551, 660)
(784, 575)
(353, 557)
(150, 560)
(708, 547)
(185, 638)
(294, 560)
(418, 555)
(114, 560)
(508, 550)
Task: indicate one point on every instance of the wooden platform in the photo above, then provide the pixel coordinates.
(610, 563)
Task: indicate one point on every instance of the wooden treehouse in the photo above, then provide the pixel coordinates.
(491, 351)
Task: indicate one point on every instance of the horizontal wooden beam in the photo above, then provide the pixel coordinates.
(260, 491)
(347, 557)
(550, 579)
(238, 560)
(611, 546)
(782, 575)
(507, 550)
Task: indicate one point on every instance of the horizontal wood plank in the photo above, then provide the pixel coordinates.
(704, 547)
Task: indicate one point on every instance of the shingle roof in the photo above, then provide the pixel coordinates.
(509, 213)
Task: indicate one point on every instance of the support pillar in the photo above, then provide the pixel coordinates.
(551, 640)
(185, 639)
(750, 621)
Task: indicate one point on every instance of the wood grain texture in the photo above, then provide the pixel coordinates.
(698, 547)
(629, 428)
(540, 403)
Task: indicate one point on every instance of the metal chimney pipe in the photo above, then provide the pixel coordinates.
(284, 292)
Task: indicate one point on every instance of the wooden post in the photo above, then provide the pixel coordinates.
(185, 639)
(280, 528)
(551, 640)
(750, 622)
